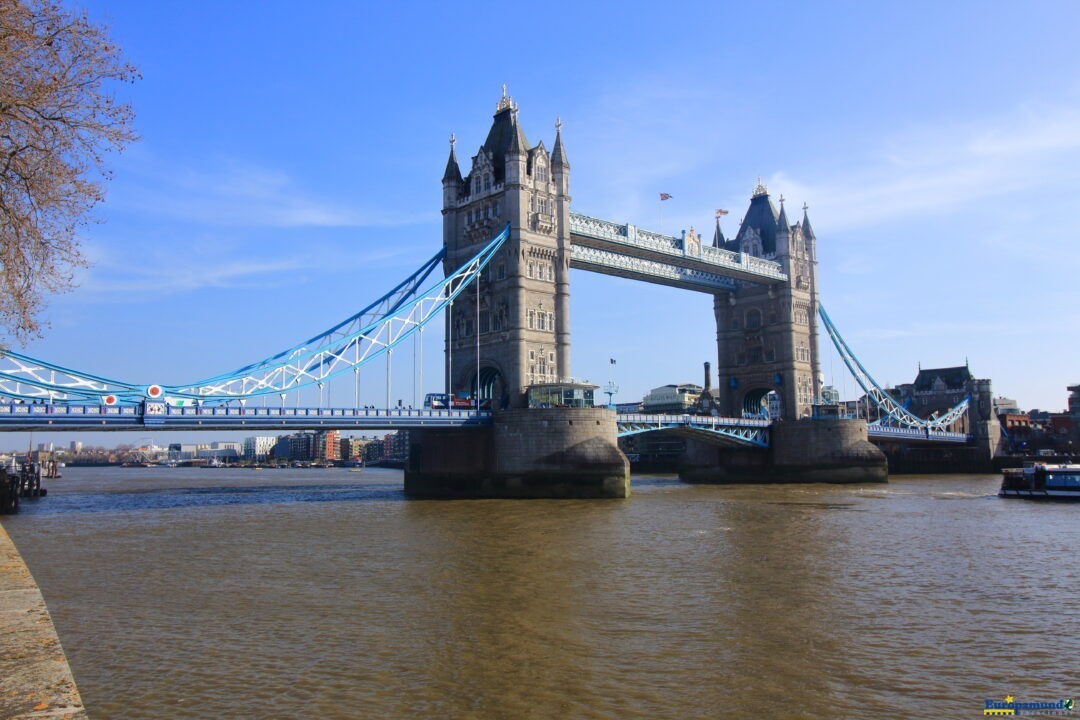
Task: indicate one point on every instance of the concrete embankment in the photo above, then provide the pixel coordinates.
(35, 679)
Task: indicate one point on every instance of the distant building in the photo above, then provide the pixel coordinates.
(373, 451)
(326, 446)
(938, 390)
(628, 407)
(76, 447)
(1074, 413)
(258, 448)
(674, 399)
(298, 446)
(1060, 425)
(1015, 423)
(775, 404)
(352, 448)
(1004, 405)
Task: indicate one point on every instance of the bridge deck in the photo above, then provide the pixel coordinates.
(159, 416)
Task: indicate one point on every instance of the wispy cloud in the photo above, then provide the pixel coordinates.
(939, 168)
(233, 192)
(121, 273)
(927, 330)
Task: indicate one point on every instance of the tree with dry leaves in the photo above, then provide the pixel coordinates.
(57, 123)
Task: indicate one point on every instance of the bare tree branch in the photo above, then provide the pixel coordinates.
(57, 122)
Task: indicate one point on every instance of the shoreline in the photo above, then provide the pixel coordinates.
(38, 682)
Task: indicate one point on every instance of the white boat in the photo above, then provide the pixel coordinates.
(1042, 481)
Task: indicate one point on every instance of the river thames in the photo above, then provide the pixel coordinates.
(193, 593)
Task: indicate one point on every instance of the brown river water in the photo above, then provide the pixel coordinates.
(192, 593)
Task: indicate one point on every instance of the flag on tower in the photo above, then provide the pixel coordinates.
(665, 196)
(721, 213)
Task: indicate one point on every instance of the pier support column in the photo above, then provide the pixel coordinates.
(825, 450)
(526, 453)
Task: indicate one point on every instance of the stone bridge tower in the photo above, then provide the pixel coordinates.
(767, 336)
(520, 321)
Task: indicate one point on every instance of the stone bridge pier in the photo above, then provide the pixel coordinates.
(525, 453)
(829, 450)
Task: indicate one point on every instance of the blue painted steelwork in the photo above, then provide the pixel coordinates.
(927, 434)
(160, 416)
(892, 412)
(348, 345)
(749, 432)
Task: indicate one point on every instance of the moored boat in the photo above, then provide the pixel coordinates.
(1042, 482)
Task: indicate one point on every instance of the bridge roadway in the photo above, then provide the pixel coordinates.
(16, 417)
(159, 416)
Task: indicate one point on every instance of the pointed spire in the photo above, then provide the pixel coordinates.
(558, 155)
(718, 239)
(518, 143)
(807, 231)
(453, 173)
(505, 102)
(782, 221)
(760, 189)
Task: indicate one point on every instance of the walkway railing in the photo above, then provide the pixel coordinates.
(159, 416)
(750, 432)
(721, 262)
(906, 433)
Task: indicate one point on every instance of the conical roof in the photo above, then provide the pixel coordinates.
(504, 136)
(807, 231)
(761, 216)
(453, 172)
(782, 225)
(558, 155)
(718, 236)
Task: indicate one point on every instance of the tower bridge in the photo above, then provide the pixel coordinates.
(509, 242)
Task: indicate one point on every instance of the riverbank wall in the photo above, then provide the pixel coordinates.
(35, 678)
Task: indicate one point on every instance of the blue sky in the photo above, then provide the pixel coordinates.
(291, 155)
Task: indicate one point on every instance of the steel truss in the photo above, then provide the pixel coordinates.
(346, 346)
(892, 412)
(738, 431)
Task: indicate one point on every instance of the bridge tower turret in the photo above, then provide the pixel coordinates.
(519, 326)
(767, 335)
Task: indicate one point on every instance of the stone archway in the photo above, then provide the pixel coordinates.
(756, 402)
(492, 387)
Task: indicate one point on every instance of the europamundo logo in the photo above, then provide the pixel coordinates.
(1010, 707)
